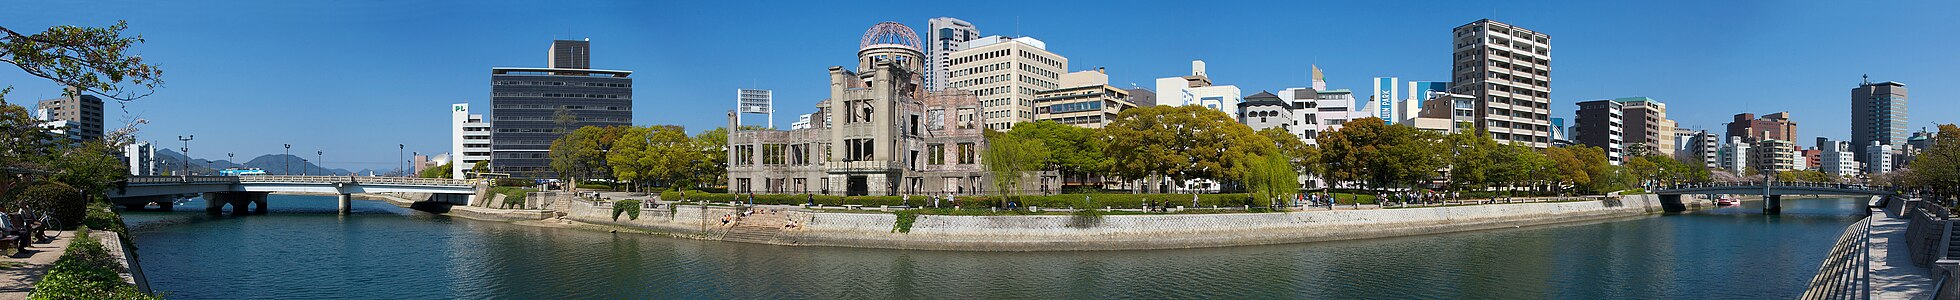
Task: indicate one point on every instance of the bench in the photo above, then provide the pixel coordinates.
(853, 207)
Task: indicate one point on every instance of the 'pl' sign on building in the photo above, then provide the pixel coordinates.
(752, 101)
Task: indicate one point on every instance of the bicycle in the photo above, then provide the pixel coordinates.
(50, 222)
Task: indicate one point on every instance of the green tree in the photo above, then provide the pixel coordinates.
(1937, 169)
(581, 154)
(1567, 168)
(442, 171)
(96, 60)
(660, 154)
(1471, 164)
(1008, 158)
(1270, 178)
(480, 166)
(90, 166)
(1073, 151)
(1180, 142)
(1378, 155)
(1304, 157)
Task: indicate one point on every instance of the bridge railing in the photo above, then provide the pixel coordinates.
(140, 180)
(356, 179)
(180, 179)
(1684, 186)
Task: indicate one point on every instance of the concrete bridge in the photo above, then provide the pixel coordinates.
(1772, 192)
(239, 191)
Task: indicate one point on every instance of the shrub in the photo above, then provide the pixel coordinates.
(631, 207)
(100, 216)
(515, 182)
(59, 200)
(86, 271)
(905, 218)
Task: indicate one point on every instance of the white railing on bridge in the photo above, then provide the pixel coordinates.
(300, 179)
(1773, 184)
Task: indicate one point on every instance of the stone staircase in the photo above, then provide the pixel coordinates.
(759, 228)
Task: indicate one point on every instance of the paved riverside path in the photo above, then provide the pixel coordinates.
(1893, 276)
(17, 281)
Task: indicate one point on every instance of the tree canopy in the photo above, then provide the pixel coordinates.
(97, 60)
(1181, 142)
(1375, 154)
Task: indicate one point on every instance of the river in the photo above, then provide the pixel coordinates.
(302, 250)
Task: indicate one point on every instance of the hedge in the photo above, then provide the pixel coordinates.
(985, 201)
(86, 271)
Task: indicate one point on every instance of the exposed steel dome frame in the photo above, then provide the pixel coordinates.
(891, 33)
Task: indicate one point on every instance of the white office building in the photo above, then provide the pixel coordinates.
(469, 140)
(1836, 157)
(1879, 158)
(141, 159)
(1734, 155)
(1006, 74)
(1196, 89)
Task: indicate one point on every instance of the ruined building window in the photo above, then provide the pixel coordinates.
(936, 119)
(967, 153)
(936, 154)
(965, 116)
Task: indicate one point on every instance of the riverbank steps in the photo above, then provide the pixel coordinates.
(1109, 232)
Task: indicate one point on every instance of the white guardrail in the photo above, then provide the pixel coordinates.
(300, 179)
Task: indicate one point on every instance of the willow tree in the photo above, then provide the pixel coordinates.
(1008, 158)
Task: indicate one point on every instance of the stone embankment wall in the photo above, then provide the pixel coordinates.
(1119, 232)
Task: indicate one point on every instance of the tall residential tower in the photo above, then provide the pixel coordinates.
(1508, 69)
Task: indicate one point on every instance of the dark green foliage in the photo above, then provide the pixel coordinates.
(86, 271)
(630, 207)
(905, 219)
(60, 200)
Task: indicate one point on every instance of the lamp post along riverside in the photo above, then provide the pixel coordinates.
(286, 162)
(401, 162)
(187, 152)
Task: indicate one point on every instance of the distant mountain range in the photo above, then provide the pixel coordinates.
(275, 164)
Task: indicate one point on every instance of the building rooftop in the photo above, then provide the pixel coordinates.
(557, 71)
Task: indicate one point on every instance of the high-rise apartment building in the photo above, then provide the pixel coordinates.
(1773, 154)
(469, 140)
(1699, 147)
(1602, 123)
(83, 113)
(1085, 100)
(1879, 155)
(1508, 69)
(1878, 113)
(1006, 73)
(141, 159)
(1647, 125)
(531, 107)
(945, 35)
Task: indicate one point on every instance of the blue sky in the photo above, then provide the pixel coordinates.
(353, 77)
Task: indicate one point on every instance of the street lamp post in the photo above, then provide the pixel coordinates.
(231, 158)
(321, 159)
(187, 151)
(287, 161)
(401, 163)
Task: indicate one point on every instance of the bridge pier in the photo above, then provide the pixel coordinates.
(258, 201)
(214, 202)
(1672, 203)
(346, 203)
(1772, 204)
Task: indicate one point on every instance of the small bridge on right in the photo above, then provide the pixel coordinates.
(1772, 192)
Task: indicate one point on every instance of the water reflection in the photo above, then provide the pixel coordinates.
(302, 250)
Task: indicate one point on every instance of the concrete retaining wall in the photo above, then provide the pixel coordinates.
(1118, 232)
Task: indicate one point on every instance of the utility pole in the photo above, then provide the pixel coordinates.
(187, 151)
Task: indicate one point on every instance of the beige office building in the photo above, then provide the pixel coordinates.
(1085, 100)
(1508, 70)
(1007, 74)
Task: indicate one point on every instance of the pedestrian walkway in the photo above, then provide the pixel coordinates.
(1893, 276)
(20, 271)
